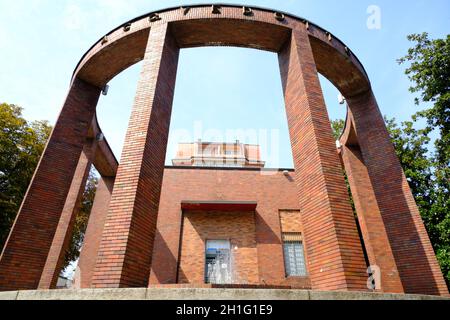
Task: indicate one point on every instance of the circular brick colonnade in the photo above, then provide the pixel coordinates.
(394, 236)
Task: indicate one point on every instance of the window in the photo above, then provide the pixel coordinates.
(218, 262)
(294, 257)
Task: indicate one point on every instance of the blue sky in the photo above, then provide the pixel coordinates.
(221, 93)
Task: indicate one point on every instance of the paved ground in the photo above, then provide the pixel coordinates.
(203, 294)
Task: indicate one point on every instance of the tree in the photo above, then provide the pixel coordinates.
(338, 128)
(429, 72)
(21, 145)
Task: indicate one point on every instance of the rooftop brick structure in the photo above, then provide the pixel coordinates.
(149, 223)
(213, 154)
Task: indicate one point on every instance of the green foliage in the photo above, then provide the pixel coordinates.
(338, 128)
(21, 145)
(429, 71)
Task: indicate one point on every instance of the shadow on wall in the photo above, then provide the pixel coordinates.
(166, 270)
(265, 234)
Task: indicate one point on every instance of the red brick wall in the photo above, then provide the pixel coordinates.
(291, 221)
(273, 191)
(237, 227)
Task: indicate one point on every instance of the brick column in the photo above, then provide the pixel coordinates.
(63, 235)
(89, 251)
(127, 242)
(411, 247)
(372, 226)
(333, 247)
(25, 253)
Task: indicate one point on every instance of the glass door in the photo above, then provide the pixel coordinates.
(218, 262)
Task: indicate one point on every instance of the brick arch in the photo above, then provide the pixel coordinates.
(125, 45)
(334, 253)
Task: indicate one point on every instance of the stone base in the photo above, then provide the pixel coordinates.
(205, 294)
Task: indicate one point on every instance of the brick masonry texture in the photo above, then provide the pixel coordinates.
(205, 293)
(372, 227)
(63, 236)
(290, 221)
(237, 227)
(335, 254)
(88, 255)
(133, 246)
(374, 233)
(127, 240)
(28, 245)
(272, 190)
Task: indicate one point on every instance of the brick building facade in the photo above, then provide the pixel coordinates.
(149, 223)
(246, 206)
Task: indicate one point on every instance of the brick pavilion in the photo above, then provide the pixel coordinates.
(234, 222)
